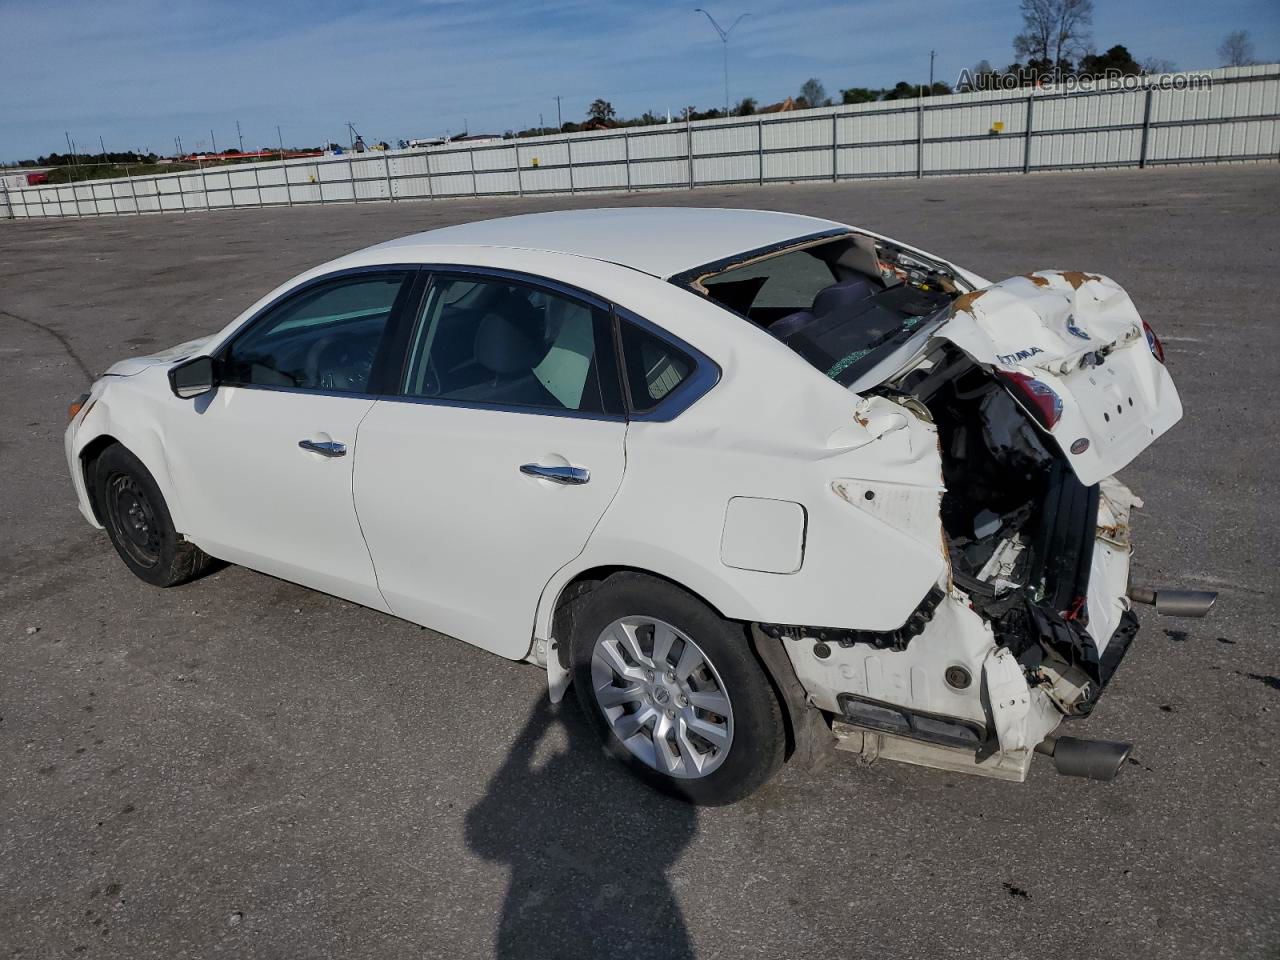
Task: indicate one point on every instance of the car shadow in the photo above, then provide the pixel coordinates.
(588, 847)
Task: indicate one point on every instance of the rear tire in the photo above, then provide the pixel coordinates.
(137, 520)
(675, 691)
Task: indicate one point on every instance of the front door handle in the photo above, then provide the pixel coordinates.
(567, 475)
(326, 448)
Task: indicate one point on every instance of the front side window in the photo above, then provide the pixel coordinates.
(325, 338)
(488, 341)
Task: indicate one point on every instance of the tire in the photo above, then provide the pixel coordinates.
(625, 692)
(137, 520)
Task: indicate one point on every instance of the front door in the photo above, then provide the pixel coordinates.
(491, 469)
(264, 463)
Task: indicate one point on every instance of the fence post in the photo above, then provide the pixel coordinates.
(257, 185)
(204, 185)
(8, 202)
(626, 157)
(351, 177)
(919, 137)
(568, 146)
(426, 159)
(835, 147)
(760, 149)
(688, 133)
(182, 194)
(386, 165)
(1146, 130)
(1026, 147)
(288, 192)
(519, 177)
(471, 159)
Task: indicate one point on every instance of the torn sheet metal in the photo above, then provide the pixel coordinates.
(1079, 336)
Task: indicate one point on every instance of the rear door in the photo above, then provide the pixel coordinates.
(503, 448)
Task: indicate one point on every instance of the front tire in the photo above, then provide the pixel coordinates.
(137, 520)
(674, 691)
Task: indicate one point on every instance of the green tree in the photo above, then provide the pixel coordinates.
(601, 110)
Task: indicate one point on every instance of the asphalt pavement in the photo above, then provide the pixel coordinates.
(242, 767)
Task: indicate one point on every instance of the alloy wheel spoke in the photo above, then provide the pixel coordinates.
(713, 732)
(690, 659)
(692, 758)
(625, 634)
(613, 658)
(663, 638)
(631, 724)
(613, 696)
(710, 700)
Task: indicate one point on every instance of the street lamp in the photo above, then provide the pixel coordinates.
(724, 41)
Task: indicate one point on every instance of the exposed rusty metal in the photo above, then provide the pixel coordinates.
(1038, 280)
(1077, 278)
(965, 303)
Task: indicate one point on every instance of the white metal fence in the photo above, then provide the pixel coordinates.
(1236, 117)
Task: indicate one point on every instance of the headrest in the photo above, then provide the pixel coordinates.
(510, 343)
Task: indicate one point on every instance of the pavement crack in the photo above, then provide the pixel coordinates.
(62, 340)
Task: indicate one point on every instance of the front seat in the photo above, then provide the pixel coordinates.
(510, 342)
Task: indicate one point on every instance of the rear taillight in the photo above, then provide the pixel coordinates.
(1157, 348)
(1037, 398)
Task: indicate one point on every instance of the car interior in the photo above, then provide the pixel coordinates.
(836, 301)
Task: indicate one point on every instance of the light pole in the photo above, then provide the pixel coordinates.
(724, 42)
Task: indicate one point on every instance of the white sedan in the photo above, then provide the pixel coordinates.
(744, 479)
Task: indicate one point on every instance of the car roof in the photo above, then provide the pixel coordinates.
(661, 241)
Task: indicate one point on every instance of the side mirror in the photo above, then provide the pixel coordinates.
(193, 377)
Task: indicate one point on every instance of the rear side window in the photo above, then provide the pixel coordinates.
(654, 366)
(325, 338)
(492, 342)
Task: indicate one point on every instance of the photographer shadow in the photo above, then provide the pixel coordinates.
(588, 847)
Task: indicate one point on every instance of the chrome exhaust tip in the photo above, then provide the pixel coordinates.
(1175, 603)
(1094, 759)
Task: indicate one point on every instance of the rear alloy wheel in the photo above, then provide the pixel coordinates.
(137, 520)
(675, 691)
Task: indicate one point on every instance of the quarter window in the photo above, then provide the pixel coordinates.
(325, 338)
(488, 341)
(654, 367)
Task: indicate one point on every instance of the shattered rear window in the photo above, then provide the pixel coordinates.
(836, 302)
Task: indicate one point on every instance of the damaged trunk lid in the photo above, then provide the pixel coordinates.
(1072, 350)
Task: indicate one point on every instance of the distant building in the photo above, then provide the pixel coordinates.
(786, 106)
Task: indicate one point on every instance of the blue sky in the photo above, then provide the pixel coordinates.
(140, 72)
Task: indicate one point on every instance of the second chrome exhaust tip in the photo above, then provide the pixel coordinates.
(1175, 603)
(1094, 759)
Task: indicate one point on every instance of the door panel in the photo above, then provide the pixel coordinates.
(492, 470)
(256, 498)
(265, 461)
(463, 540)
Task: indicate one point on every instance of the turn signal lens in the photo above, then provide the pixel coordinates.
(1157, 348)
(76, 406)
(1037, 398)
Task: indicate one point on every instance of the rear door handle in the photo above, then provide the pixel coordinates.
(572, 476)
(326, 448)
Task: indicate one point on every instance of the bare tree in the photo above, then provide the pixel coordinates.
(814, 93)
(1155, 65)
(1237, 49)
(1054, 30)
